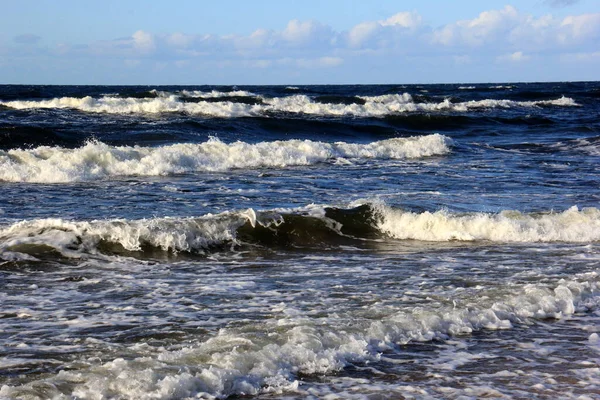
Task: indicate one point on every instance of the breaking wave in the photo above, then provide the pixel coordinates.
(246, 104)
(97, 160)
(572, 225)
(309, 227)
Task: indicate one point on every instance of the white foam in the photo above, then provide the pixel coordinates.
(375, 106)
(216, 93)
(572, 225)
(267, 357)
(161, 104)
(191, 234)
(73, 238)
(96, 160)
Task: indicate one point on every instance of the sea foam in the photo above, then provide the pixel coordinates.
(269, 356)
(97, 160)
(572, 225)
(76, 238)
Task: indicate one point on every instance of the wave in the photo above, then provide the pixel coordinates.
(246, 104)
(272, 356)
(73, 239)
(586, 145)
(502, 87)
(589, 146)
(217, 94)
(309, 227)
(572, 225)
(97, 160)
(312, 226)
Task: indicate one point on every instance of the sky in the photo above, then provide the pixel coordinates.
(236, 42)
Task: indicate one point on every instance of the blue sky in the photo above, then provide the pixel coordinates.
(298, 42)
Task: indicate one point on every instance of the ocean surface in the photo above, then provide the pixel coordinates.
(324, 242)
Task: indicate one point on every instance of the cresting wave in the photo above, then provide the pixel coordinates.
(73, 239)
(270, 356)
(97, 160)
(374, 106)
(312, 227)
(572, 225)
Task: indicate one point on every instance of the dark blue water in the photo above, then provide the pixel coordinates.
(348, 241)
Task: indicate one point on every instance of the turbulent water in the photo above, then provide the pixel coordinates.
(352, 242)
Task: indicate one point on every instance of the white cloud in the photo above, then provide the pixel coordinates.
(489, 25)
(384, 32)
(494, 36)
(144, 41)
(410, 20)
(494, 32)
(580, 27)
(307, 32)
(180, 40)
(507, 29)
(362, 32)
(517, 56)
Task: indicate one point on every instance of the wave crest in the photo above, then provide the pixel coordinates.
(224, 104)
(97, 160)
(310, 227)
(572, 225)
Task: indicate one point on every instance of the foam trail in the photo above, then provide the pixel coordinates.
(375, 106)
(97, 160)
(267, 357)
(572, 225)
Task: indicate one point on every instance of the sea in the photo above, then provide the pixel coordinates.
(300, 242)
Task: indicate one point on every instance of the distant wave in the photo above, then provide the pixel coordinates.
(246, 104)
(214, 93)
(311, 227)
(97, 160)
